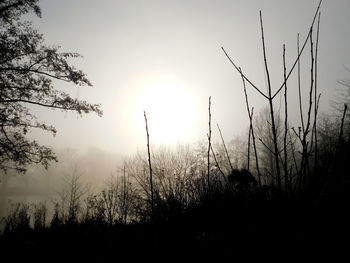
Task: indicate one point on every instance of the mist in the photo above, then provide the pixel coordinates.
(40, 185)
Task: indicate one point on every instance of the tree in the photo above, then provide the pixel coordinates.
(70, 197)
(265, 143)
(343, 98)
(28, 69)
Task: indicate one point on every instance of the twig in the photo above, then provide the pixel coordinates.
(270, 99)
(248, 153)
(305, 155)
(223, 142)
(299, 90)
(251, 130)
(301, 51)
(316, 100)
(342, 125)
(217, 163)
(255, 150)
(209, 143)
(149, 165)
(267, 147)
(285, 122)
(314, 126)
(293, 155)
(237, 68)
(311, 83)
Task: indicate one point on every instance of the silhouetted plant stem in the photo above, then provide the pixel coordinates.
(255, 150)
(299, 90)
(294, 159)
(285, 165)
(307, 128)
(217, 163)
(306, 165)
(251, 130)
(301, 51)
(124, 196)
(300, 172)
(150, 166)
(223, 142)
(270, 99)
(342, 125)
(209, 143)
(316, 99)
(306, 146)
(248, 150)
(237, 68)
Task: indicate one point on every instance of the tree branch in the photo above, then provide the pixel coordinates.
(301, 51)
(237, 68)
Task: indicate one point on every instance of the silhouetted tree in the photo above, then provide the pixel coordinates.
(71, 195)
(39, 215)
(18, 217)
(265, 143)
(342, 98)
(117, 199)
(27, 70)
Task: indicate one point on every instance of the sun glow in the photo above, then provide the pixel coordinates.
(170, 112)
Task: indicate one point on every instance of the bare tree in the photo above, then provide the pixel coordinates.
(71, 196)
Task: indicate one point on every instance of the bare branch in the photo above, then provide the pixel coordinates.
(149, 165)
(301, 51)
(223, 142)
(299, 90)
(209, 143)
(237, 68)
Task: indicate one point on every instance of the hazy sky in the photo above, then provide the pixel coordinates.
(168, 54)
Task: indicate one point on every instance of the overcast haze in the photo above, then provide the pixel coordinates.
(128, 46)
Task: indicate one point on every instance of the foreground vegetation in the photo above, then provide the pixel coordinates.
(234, 218)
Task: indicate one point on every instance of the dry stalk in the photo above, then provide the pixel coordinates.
(285, 166)
(149, 165)
(209, 143)
(217, 163)
(270, 100)
(299, 89)
(223, 142)
(316, 99)
(251, 130)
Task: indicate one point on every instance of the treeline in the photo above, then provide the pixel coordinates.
(180, 181)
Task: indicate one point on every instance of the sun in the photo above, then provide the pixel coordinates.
(170, 111)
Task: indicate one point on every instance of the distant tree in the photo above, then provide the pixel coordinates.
(265, 143)
(27, 70)
(342, 98)
(71, 195)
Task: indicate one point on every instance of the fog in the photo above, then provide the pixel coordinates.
(131, 46)
(39, 185)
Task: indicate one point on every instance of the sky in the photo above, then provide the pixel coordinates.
(165, 58)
